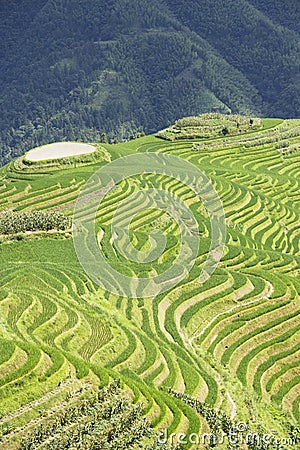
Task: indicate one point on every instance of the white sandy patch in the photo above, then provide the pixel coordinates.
(59, 150)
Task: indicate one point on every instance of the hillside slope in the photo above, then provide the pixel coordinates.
(201, 357)
(75, 69)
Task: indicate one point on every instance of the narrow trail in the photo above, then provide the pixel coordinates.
(233, 406)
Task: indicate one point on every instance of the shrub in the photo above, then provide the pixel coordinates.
(12, 222)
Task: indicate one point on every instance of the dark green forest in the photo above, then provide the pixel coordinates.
(94, 70)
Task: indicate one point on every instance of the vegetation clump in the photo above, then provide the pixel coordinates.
(104, 420)
(12, 222)
(221, 425)
(209, 125)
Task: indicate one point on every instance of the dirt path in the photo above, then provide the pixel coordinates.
(233, 406)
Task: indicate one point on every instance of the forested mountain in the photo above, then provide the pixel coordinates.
(74, 69)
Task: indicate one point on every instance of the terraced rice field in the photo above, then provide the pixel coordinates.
(231, 342)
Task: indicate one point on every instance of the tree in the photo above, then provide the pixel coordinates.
(225, 131)
(104, 138)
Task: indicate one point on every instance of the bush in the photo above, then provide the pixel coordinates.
(12, 222)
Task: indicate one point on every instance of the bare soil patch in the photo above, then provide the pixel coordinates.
(59, 150)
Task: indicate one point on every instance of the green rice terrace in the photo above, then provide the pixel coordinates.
(80, 365)
(209, 125)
